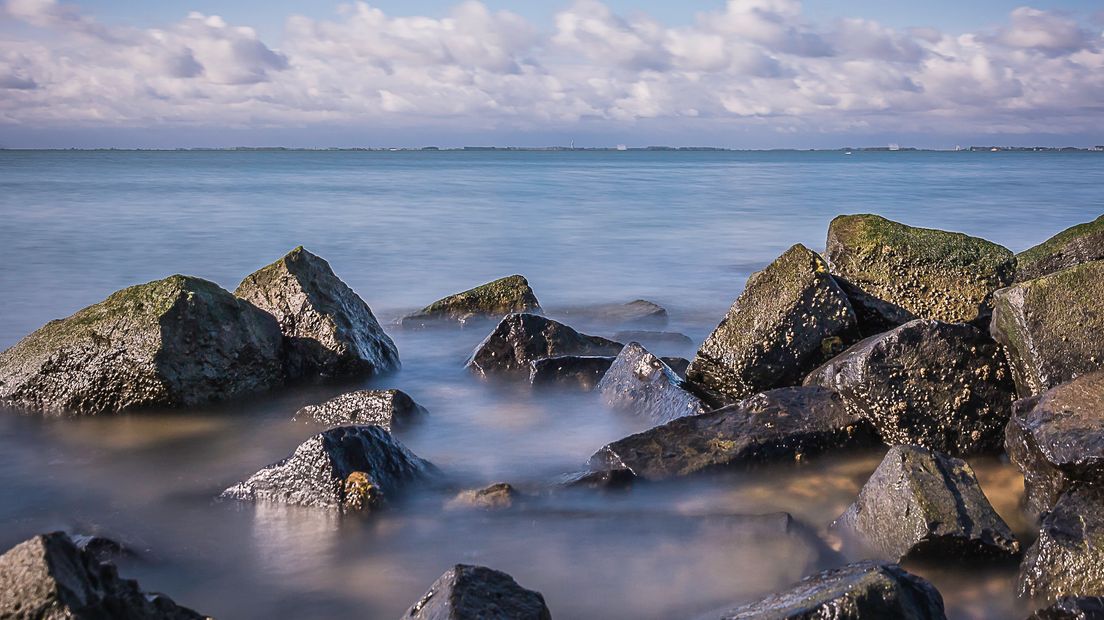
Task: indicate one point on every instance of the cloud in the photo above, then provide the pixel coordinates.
(1041, 30)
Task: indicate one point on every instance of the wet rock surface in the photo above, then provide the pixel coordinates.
(49, 577)
(874, 315)
(387, 408)
(468, 592)
(181, 341)
(330, 331)
(351, 468)
(919, 504)
(1068, 557)
(1072, 608)
(642, 384)
(499, 496)
(933, 274)
(522, 338)
(1050, 327)
(571, 371)
(492, 300)
(791, 317)
(944, 386)
(1075, 245)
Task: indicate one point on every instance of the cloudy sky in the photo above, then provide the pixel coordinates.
(742, 73)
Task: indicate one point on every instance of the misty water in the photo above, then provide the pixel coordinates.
(681, 229)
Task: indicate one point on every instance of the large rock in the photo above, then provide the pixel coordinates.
(636, 313)
(1068, 557)
(874, 315)
(1050, 327)
(944, 386)
(572, 371)
(1076, 245)
(478, 593)
(181, 341)
(522, 338)
(640, 383)
(933, 274)
(786, 424)
(354, 468)
(920, 504)
(1072, 608)
(491, 300)
(330, 331)
(387, 408)
(791, 317)
(860, 591)
(48, 577)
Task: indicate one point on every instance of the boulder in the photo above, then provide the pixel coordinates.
(1072, 608)
(49, 577)
(492, 300)
(944, 386)
(874, 315)
(920, 504)
(860, 591)
(678, 364)
(1049, 327)
(791, 317)
(386, 408)
(640, 383)
(603, 480)
(574, 371)
(654, 339)
(497, 496)
(349, 468)
(181, 341)
(522, 338)
(1076, 245)
(1068, 557)
(933, 274)
(330, 331)
(787, 424)
(638, 313)
(478, 593)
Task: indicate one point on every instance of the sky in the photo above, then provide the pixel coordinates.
(739, 74)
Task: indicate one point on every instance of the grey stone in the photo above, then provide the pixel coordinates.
(467, 592)
(1068, 557)
(387, 408)
(522, 338)
(640, 383)
(492, 300)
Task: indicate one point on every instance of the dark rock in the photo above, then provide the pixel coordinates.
(933, 274)
(521, 338)
(492, 300)
(791, 317)
(346, 468)
(1068, 557)
(605, 480)
(331, 332)
(387, 408)
(786, 424)
(497, 496)
(1080, 244)
(1050, 327)
(944, 386)
(1072, 608)
(640, 383)
(860, 591)
(920, 504)
(678, 364)
(180, 341)
(478, 593)
(100, 547)
(636, 313)
(874, 315)
(49, 577)
(575, 371)
(654, 339)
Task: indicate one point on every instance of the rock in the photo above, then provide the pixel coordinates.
(637, 313)
(492, 300)
(331, 332)
(1068, 557)
(944, 386)
(654, 339)
(920, 504)
(1072, 608)
(181, 341)
(791, 317)
(497, 496)
(478, 593)
(575, 371)
(678, 364)
(352, 468)
(386, 408)
(101, 548)
(522, 338)
(605, 480)
(933, 274)
(49, 577)
(860, 591)
(640, 383)
(787, 424)
(1076, 245)
(1056, 439)
(1049, 327)
(874, 315)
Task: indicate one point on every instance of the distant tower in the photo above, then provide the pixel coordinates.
(572, 145)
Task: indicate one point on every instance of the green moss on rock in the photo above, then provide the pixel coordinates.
(1075, 245)
(491, 300)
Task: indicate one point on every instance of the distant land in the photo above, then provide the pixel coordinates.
(620, 148)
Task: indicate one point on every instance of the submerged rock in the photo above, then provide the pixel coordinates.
(522, 338)
(640, 383)
(933, 274)
(386, 408)
(181, 341)
(860, 591)
(1072, 608)
(355, 468)
(1076, 245)
(492, 300)
(575, 371)
(944, 386)
(1068, 557)
(478, 593)
(636, 313)
(49, 577)
(791, 317)
(874, 315)
(1050, 327)
(920, 504)
(605, 480)
(654, 338)
(786, 424)
(330, 331)
(497, 496)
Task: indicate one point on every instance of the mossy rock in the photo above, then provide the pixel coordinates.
(180, 341)
(933, 274)
(1075, 245)
(492, 300)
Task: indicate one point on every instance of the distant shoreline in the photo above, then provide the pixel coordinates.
(545, 149)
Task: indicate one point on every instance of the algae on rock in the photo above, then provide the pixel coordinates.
(492, 300)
